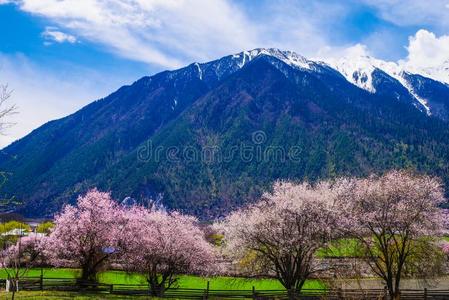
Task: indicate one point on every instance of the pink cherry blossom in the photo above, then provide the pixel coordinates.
(27, 252)
(395, 217)
(87, 235)
(162, 245)
(18, 258)
(280, 234)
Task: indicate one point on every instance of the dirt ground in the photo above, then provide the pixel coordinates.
(441, 283)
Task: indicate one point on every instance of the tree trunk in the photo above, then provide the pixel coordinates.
(300, 285)
(394, 294)
(84, 272)
(293, 291)
(294, 287)
(157, 288)
(397, 295)
(291, 294)
(14, 287)
(87, 276)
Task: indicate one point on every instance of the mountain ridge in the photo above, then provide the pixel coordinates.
(338, 128)
(357, 70)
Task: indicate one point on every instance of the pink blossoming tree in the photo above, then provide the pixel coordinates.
(162, 245)
(18, 258)
(87, 235)
(279, 235)
(395, 218)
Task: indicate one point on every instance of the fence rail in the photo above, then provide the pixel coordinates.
(64, 284)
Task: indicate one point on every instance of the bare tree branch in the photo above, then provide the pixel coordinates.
(5, 108)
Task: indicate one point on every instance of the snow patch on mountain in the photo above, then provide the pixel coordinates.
(411, 90)
(356, 65)
(289, 57)
(200, 71)
(359, 71)
(230, 64)
(439, 73)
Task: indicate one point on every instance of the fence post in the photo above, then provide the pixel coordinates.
(254, 293)
(41, 280)
(111, 288)
(206, 292)
(339, 293)
(425, 293)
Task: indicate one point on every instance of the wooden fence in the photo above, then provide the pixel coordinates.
(64, 284)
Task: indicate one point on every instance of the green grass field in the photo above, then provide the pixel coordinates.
(341, 248)
(347, 248)
(185, 281)
(54, 295)
(120, 277)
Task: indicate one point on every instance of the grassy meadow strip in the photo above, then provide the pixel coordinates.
(185, 281)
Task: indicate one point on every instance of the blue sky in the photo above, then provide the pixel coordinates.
(59, 55)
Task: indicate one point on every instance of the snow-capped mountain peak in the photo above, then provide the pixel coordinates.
(227, 65)
(288, 57)
(359, 70)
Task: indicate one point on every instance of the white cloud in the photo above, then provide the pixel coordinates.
(172, 33)
(42, 96)
(51, 34)
(412, 12)
(300, 26)
(425, 49)
(434, 13)
(152, 31)
(428, 54)
(335, 53)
